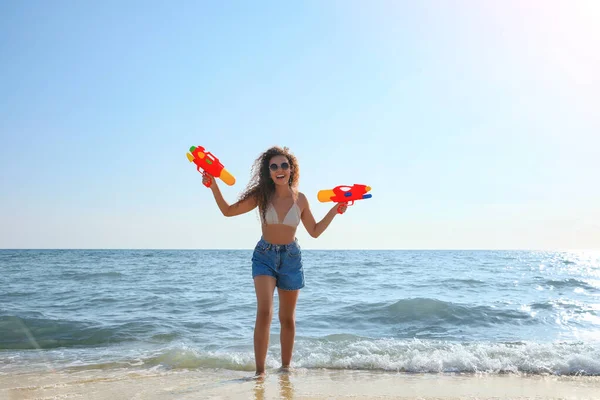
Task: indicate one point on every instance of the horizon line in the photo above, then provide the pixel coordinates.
(304, 249)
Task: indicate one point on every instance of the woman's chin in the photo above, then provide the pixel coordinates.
(280, 181)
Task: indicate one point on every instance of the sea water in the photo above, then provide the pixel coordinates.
(534, 312)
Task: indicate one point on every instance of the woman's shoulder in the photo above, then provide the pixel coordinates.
(301, 199)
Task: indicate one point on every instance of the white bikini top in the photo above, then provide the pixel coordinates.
(292, 218)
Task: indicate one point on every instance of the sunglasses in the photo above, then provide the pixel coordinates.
(284, 166)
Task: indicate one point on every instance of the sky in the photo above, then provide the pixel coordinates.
(475, 123)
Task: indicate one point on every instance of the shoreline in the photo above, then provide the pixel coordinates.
(297, 384)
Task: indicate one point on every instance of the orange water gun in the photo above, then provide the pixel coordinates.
(210, 164)
(344, 194)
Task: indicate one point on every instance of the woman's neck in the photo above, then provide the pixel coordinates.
(283, 191)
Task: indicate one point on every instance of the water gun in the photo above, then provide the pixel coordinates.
(344, 194)
(210, 164)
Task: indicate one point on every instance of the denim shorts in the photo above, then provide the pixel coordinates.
(281, 261)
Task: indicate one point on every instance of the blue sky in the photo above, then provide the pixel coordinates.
(475, 124)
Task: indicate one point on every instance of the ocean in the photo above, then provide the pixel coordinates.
(492, 312)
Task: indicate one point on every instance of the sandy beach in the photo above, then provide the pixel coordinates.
(297, 384)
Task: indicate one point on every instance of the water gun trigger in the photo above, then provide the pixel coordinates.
(347, 204)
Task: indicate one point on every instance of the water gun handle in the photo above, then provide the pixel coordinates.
(339, 207)
(206, 182)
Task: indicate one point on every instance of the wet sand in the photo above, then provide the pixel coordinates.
(297, 384)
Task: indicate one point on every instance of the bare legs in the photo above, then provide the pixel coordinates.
(264, 287)
(287, 319)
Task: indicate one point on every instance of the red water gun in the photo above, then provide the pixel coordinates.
(210, 164)
(344, 194)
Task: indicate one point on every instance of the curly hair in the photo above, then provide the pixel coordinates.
(261, 186)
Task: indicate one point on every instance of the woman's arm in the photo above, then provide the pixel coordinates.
(234, 209)
(314, 228)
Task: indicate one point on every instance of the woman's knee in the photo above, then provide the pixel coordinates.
(264, 313)
(287, 321)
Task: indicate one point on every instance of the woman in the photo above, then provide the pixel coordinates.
(277, 258)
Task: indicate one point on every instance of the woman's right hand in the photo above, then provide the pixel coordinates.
(208, 180)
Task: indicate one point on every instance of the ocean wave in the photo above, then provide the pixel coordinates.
(429, 311)
(20, 333)
(81, 276)
(570, 283)
(417, 356)
(409, 356)
(461, 283)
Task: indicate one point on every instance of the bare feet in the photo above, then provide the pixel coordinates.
(260, 375)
